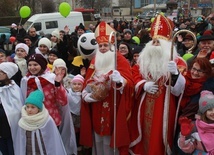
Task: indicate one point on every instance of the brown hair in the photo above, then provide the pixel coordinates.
(205, 65)
(5, 82)
(205, 119)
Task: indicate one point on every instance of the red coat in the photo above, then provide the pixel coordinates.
(147, 118)
(91, 112)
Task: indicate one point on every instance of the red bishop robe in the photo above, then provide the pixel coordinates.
(147, 118)
(99, 116)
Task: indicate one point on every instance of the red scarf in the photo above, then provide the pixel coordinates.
(192, 87)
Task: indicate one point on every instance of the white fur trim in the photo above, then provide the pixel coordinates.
(138, 84)
(165, 118)
(179, 86)
(138, 139)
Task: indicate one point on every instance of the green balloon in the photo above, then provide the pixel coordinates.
(136, 39)
(25, 12)
(64, 9)
(187, 56)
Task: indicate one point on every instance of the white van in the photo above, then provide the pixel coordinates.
(48, 22)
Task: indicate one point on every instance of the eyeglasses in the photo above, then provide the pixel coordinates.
(122, 48)
(197, 70)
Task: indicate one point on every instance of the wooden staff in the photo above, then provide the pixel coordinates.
(113, 34)
(170, 82)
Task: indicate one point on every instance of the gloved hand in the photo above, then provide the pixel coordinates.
(88, 98)
(172, 67)
(116, 77)
(150, 87)
(186, 125)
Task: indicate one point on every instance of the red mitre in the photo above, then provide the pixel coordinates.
(162, 28)
(102, 33)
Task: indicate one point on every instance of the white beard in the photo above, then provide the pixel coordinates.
(153, 60)
(104, 62)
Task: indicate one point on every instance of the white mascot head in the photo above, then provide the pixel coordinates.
(87, 45)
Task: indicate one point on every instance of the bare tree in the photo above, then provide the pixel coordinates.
(7, 7)
(48, 6)
(98, 4)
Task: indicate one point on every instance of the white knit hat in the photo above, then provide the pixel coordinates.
(59, 63)
(9, 68)
(45, 41)
(56, 33)
(23, 46)
(78, 78)
(13, 25)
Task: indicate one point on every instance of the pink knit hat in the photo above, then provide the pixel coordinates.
(23, 46)
(78, 78)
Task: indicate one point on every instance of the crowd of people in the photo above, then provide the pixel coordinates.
(89, 92)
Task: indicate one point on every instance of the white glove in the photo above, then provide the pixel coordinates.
(172, 67)
(88, 98)
(150, 87)
(116, 77)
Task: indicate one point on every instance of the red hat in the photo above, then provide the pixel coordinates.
(162, 28)
(103, 32)
(207, 35)
(188, 36)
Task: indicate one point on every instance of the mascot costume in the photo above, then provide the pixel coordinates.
(87, 46)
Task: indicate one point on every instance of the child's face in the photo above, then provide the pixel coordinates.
(44, 49)
(54, 39)
(52, 57)
(135, 57)
(76, 86)
(34, 68)
(21, 53)
(210, 114)
(60, 70)
(31, 109)
(3, 75)
(2, 57)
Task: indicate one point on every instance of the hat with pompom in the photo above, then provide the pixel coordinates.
(35, 98)
(81, 26)
(206, 101)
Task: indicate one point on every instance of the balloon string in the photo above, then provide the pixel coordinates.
(20, 22)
